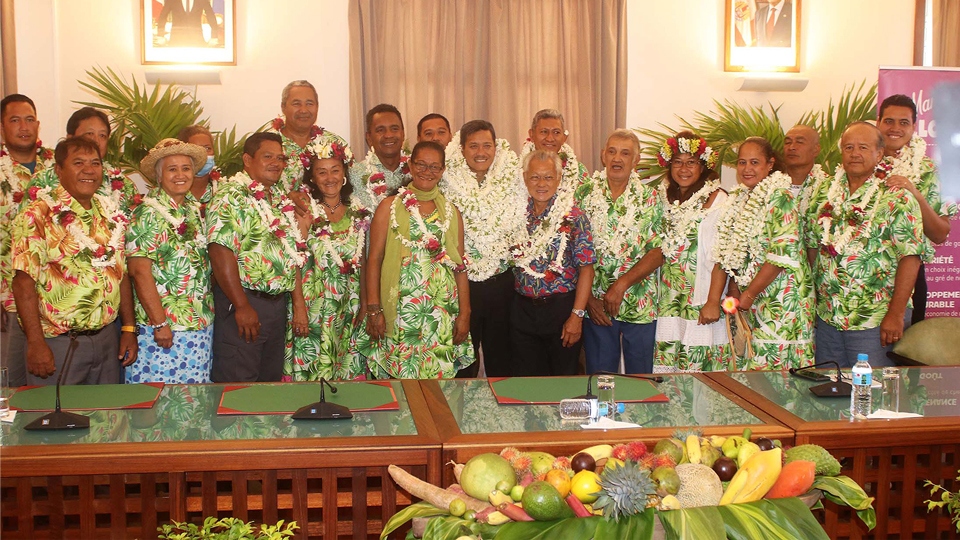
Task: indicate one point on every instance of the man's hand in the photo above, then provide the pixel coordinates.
(128, 347)
(40, 359)
(572, 330)
(891, 329)
(709, 313)
(597, 314)
(302, 202)
(300, 322)
(613, 298)
(163, 337)
(898, 181)
(461, 329)
(248, 323)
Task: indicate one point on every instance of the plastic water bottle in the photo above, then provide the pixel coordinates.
(861, 398)
(582, 409)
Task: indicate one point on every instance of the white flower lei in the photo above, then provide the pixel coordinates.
(359, 224)
(740, 228)
(199, 239)
(428, 241)
(568, 159)
(679, 216)
(8, 174)
(816, 176)
(116, 222)
(611, 243)
(537, 244)
(493, 212)
(268, 216)
(838, 233)
(909, 160)
(378, 188)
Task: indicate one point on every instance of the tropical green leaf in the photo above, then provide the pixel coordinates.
(704, 523)
(420, 509)
(843, 490)
(638, 526)
(771, 519)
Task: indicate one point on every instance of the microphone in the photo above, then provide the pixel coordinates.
(322, 410)
(59, 419)
(590, 395)
(829, 388)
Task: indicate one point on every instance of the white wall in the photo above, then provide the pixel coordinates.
(675, 56)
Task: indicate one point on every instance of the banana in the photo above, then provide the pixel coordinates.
(747, 451)
(497, 518)
(498, 497)
(600, 451)
(754, 479)
(669, 503)
(717, 440)
(693, 448)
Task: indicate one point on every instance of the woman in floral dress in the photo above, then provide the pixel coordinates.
(168, 263)
(418, 311)
(759, 247)
(325, 308)
(691, 335)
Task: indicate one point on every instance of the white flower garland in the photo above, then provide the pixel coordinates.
(740, 228)
(679, 217)
(199, 238)
(568, 160)
(359, 224)
(8, 173)
(612, 243)
(855, 214)
(428, 241)
(374, 179)
(909, 160)
(493, 212)
(537, 244)
(816, 177)
(100, 256)
(287, 217)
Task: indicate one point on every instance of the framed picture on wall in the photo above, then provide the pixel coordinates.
(762, 35)
(188, 32)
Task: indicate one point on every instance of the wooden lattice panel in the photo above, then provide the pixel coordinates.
(325, 503)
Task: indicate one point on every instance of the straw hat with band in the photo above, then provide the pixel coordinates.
(171, 147)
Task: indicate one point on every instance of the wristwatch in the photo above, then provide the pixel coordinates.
(580, 312)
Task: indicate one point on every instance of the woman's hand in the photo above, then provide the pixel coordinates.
(163, 337)
(376, 325)
(461, 329)
(746, 300)
(709, 313)
(300, 322)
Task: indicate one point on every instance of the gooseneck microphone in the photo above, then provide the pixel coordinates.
(590, 394)
(59, 419)
(322, 410)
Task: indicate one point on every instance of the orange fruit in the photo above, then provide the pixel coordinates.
(560, 480)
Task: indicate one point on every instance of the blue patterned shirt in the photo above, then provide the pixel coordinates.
(579, 252)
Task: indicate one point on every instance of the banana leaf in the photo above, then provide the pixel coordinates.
(704, 523)
(844, 491)
(639, 526)
(420, 509)
(771, 519)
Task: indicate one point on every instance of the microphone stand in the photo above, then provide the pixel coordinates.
(59, 419)
(829, 389)
(590, 394)
(322, 410)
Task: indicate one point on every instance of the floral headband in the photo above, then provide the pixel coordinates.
(327, 145)
(682, 145)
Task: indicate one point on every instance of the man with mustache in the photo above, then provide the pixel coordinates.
(297, 126)
(380, 174)
(548, 132)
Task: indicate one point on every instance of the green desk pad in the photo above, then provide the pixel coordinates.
(550, 390)
(288, 397)
(87, 397)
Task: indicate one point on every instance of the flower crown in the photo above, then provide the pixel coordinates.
(682, 145)
(329, 145)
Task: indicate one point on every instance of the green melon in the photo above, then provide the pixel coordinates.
(483, 472)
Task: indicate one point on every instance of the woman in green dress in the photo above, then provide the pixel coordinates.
(759, 247)
(325, 307)
(418, 311)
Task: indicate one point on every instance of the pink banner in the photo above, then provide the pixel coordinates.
(943, 274)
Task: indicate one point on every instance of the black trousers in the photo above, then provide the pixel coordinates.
(490, 325)
(235, 360)
(536, 327)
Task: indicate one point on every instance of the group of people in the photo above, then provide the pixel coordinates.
(310, 264)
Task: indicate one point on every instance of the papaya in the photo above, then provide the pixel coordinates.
(796, 478)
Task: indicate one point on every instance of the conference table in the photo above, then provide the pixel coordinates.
(180, 460)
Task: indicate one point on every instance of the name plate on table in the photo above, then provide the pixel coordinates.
(942, 393)
(287, 398)
(550, 390)
(87, 397)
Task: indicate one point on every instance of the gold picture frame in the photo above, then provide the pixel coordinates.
(757, 40)
(192, 32)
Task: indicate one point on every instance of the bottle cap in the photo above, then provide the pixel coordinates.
(620, 408)
(863, 357)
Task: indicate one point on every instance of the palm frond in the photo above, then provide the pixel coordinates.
(854, 105)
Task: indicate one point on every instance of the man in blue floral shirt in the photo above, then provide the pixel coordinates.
(553, 273)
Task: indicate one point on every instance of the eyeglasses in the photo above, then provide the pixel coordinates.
(420, 166)
(684, 164)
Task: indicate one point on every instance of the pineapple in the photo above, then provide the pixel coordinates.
(625, 491)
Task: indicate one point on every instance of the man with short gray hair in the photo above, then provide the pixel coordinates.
(297, 126)
(548, 132)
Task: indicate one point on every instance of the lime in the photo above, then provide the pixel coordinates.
(457, 507)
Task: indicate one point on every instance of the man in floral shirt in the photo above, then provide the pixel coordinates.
(905, 153)
(626, 216)
(380, 174)
(71, 282)
(297, 126)
(548, 132)
(553, 274)
(21, 155)
(256, 251)
(869, 239)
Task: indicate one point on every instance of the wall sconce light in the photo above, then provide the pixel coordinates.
(183, 78)
(771, 84)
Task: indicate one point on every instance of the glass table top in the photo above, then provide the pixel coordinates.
(189, 413)
(932, 392)
(691, 403)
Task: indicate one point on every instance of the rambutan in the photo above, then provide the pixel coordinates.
(636, 450)
(562, 463)
(509, 453)
(620, 452)
(663, 460)
(647, 462)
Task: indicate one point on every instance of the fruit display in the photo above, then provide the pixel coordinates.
(629, 484)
